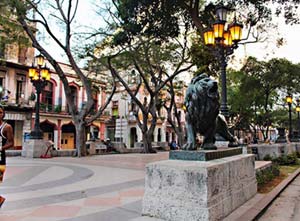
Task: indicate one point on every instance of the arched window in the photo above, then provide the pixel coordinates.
(47, 97)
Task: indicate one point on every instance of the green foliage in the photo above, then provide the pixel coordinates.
(149, 18)
(253, 92)
(267, 175)
(10, 30)
(268, 158)
(203, 58)
(57, 108)
(162, 18)
(290, 159)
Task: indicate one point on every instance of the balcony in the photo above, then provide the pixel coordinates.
(47, 108)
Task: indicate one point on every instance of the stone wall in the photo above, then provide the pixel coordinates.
(274, 150)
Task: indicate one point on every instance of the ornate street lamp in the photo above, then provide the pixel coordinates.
(298, 115)
(223, 38)
(39, 75)
(289, 100)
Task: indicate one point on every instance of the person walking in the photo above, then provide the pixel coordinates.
(6, 141)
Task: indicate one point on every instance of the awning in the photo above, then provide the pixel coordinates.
(14, 116)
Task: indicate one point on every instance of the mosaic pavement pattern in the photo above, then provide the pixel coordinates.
(103, 187)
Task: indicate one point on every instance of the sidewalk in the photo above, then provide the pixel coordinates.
(102, 187)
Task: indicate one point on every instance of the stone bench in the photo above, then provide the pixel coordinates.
(96, 148)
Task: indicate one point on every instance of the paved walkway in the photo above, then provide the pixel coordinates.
(102, 187)
(287, 206)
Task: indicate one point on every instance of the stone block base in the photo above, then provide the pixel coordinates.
(180, 190)
(35, 148)
(274, 150)
(204, 155)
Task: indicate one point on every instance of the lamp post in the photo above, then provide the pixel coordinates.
(223, 38)
(39, 75)
(289, 100)
(298, 115)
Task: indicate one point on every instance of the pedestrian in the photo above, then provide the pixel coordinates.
(173, 145)
(6, 141)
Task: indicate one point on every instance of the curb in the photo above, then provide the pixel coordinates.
(263, 203)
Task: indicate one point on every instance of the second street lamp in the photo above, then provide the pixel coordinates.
(223, 39)
(289, 100)
(39, 75)
(298, 116)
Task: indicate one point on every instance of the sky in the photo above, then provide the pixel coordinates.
(267, 50)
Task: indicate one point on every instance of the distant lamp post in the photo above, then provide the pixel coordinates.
(289, 100)
(223, 41)
(39, 75)
(298, 115)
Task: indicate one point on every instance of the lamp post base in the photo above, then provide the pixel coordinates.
(36, 134)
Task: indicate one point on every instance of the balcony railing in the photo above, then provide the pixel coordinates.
(50, 108)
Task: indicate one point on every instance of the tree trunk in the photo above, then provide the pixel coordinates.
(147, 142)
(80, 139)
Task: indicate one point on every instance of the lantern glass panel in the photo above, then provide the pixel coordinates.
(40, 60)
(44, 73)
(36, 76)
(32, 72)
(48, 76)
(298, 109)
(289, 99)
(227, 39)
(209, 37)
(218, 30)
(236, 32)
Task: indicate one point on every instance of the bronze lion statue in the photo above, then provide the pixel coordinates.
(202, 113)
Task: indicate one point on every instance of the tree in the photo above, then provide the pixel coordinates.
(254, 91)
(160, 18)
(27, 13)
(175, 89)
(148, 58)
(155, 62)
(10, 31)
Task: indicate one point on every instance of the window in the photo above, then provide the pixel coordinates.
(115, 108)
(95, 98)
(2, 78)
(20, 87)
(47, 96)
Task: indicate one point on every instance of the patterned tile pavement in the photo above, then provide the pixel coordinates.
(103, 187)
(96, 188)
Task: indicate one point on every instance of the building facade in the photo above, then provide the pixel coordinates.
(123, 127)
(18, 98)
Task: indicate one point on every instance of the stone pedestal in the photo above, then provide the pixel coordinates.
(35, 148)
(198, 190)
